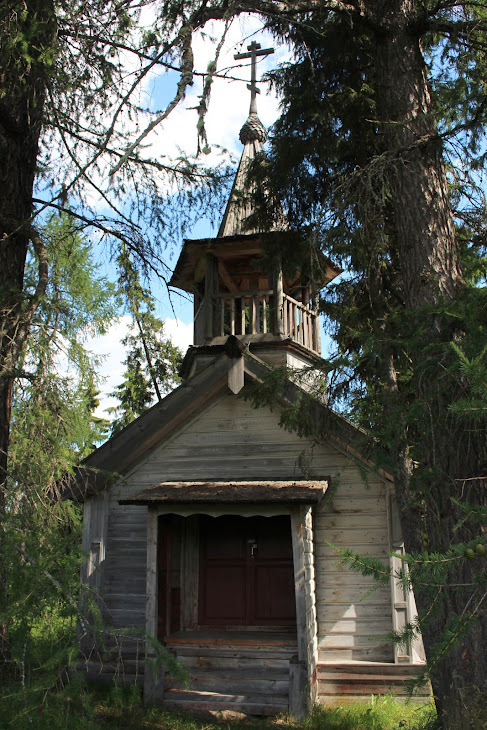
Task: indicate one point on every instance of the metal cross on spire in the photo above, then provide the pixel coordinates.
(254, 51)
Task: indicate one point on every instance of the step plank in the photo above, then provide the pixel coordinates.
(217, 699)
(235, 685)
(362, 688)
(246, 708)
(234, 663)
(250, 672)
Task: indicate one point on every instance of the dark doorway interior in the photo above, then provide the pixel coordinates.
(246, 572)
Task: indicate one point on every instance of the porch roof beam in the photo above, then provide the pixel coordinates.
(237, 492)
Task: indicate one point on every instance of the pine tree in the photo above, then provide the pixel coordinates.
(152, 361)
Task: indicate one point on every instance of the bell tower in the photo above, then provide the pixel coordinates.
(276, 317)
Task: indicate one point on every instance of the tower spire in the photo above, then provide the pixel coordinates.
(252, 135)
(253, 129)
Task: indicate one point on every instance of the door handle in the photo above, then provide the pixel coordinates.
(253, 549)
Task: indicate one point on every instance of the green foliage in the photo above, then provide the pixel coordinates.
(379, 713)
(41, 559)
(53, 427)
(152, 361)
(69, 707)
(78, 303)
(52, 412)
(474, 371)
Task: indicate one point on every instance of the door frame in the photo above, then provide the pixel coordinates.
(303, 677)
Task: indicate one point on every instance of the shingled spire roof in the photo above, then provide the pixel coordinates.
(252, 135)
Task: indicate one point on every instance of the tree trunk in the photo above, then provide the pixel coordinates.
(430, 272)
(28, 29)
(424, 225)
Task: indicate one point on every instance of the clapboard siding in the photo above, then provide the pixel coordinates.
(331, 555)
(341, 505)
(126, 563)
(368, 627)
(230, 440)
(354, 615)
(219, 444)
(341, 611)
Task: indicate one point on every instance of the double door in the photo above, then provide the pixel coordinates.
(246, 574)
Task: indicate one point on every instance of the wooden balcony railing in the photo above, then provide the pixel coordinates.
(299, 323)
(252, 313)
(245, 313)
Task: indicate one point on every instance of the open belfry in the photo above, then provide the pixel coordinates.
(203, 531)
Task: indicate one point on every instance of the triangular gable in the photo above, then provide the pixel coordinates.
(126, 449)
(327, 423)
(225, 374)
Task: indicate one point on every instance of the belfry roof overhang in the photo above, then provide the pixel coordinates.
(190, 268)
(236, 492)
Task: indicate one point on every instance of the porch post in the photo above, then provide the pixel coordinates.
(153, 680)
(277, 321)
(211, 301)
(302, 676)
(316, 323)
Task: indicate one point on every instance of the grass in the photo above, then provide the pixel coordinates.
(375, 714)
(378, 713)
(77, 707)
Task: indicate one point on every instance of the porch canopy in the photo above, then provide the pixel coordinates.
(235, 492)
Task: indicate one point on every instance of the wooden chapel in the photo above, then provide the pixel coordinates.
(202, 531)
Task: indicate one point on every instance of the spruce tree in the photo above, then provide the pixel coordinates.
(53, 427)
(152, 361)
(366, 159)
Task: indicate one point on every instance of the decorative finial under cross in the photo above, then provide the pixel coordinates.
(255, 50)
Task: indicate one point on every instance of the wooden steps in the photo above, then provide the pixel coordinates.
(357, 680)
(243, 672)
(196, 701)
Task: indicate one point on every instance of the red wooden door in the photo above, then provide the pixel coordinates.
(246, 572)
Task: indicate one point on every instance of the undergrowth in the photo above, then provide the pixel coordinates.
(378, 713)
(78, 706)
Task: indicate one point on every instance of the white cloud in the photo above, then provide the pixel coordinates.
(230, 99)
(109, 347)
(180, 333)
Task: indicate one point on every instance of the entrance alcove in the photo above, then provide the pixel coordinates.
(226, 572)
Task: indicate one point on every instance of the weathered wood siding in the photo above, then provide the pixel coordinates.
(126, 560)
(94, 545)
(231, 440)
(353, 614)
(94, 541)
